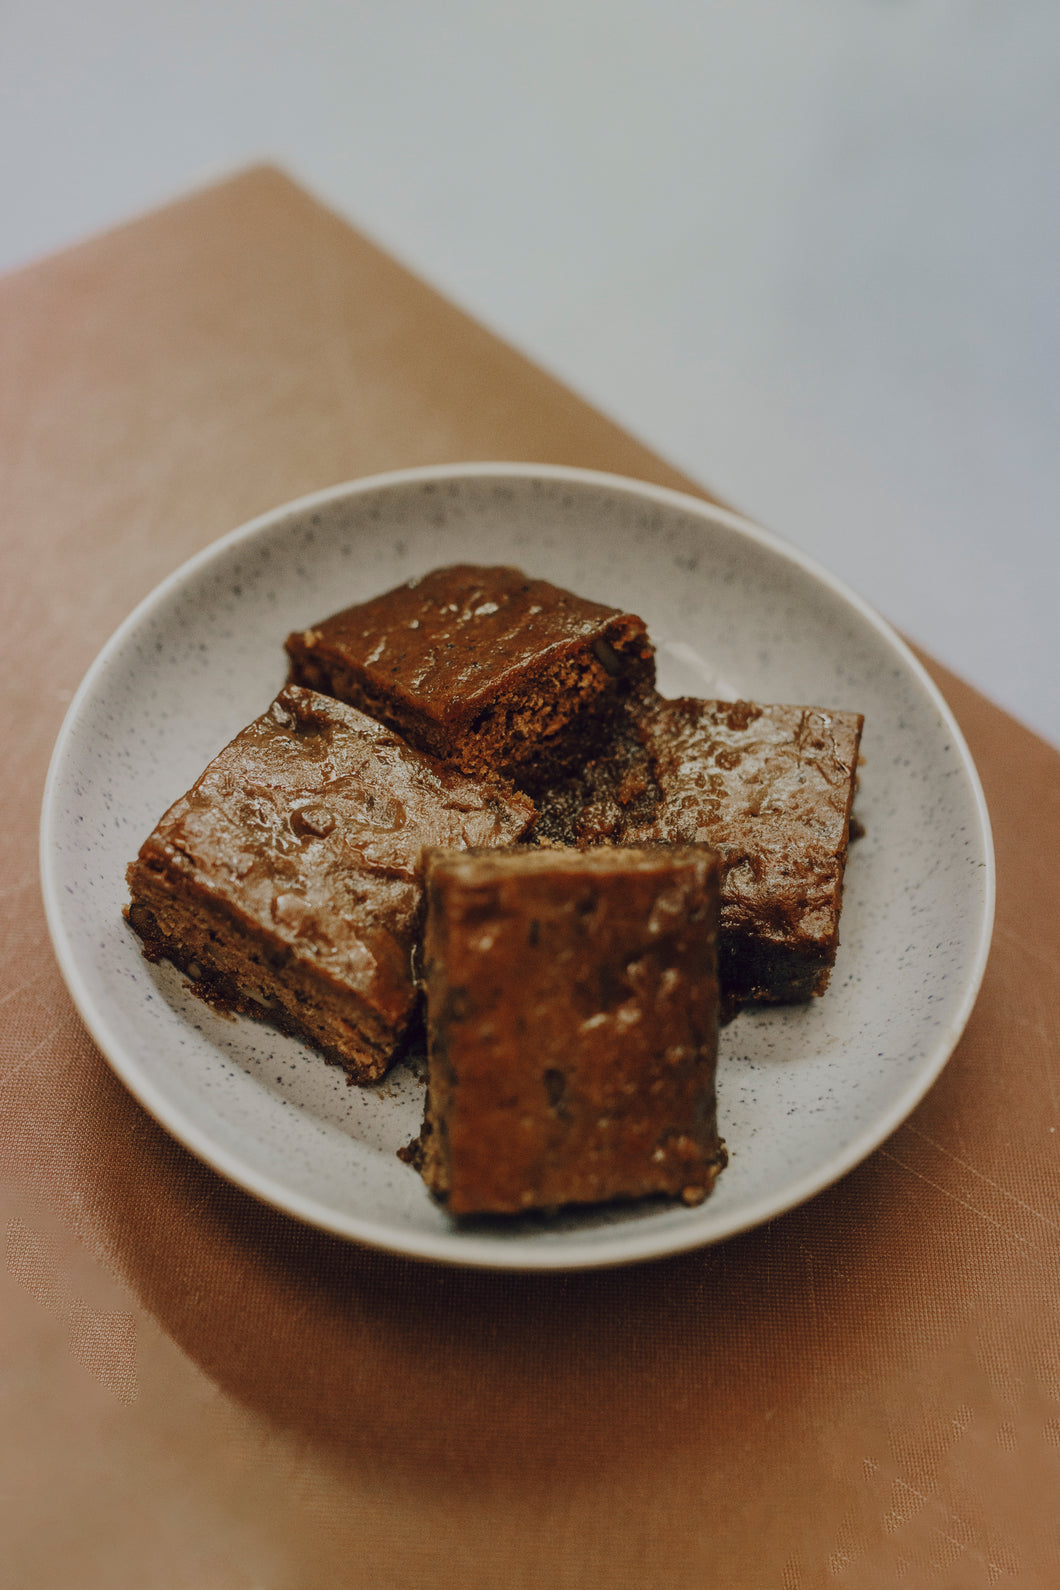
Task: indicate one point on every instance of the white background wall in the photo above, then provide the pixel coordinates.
(808, 249)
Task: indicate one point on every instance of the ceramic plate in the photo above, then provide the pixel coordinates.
(803, 1093)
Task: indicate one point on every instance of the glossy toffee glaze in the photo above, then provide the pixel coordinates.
(770, 787)
(504, 675)
(304, 838)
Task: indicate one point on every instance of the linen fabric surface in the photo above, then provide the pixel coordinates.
(197, 1390)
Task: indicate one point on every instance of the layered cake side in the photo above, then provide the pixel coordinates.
(770, 788)
(572, 1005)
(287, 883)
(505, 676)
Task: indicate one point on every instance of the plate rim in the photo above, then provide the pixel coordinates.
(464, 1249)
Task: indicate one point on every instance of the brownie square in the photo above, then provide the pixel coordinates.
(770, 788)
(505, 676)
(572, 1014)
(287, 883)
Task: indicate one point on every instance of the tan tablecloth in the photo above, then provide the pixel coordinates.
(200, 1393)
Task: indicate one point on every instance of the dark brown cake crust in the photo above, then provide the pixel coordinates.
(287, 883)
(505, 676)
(770, 788)
(572, 1027)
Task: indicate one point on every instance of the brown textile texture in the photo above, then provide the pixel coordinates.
(199, 1392)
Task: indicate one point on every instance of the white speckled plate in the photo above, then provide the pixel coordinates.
(804, 1094)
